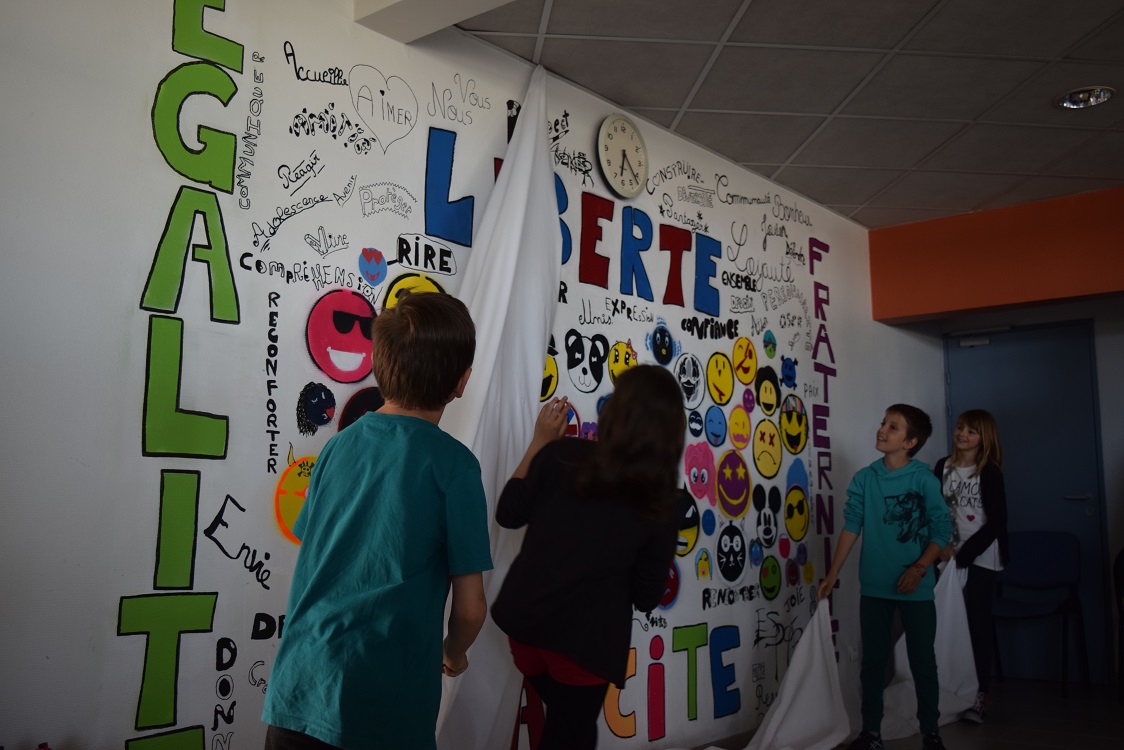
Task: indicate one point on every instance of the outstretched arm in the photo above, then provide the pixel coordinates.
(550, 425)
(843, 548)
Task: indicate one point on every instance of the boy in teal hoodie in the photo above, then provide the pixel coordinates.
(896, 504)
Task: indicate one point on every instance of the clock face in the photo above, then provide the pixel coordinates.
(622, 155)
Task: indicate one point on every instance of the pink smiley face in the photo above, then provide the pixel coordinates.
(698, 461)
(339, 335)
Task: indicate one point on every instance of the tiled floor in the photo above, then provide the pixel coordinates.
(1032, 715)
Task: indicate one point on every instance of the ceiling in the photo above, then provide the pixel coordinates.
(886, 111)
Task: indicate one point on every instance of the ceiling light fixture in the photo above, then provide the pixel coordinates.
(1089, 96)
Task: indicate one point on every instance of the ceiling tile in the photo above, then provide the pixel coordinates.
(1033, 28)
(836, 185)
(1102, 156)
(632, 74)
(518, 17)
(958, 191)
(1041, 188)
(523, 46)
(875, 218)
(661, 117)
(831, 23)
(761, 80)
(1033, 103)
(938, 87)
(643, 19)
(887, 144)
(1107, 44)
(1006, 148)
(762, 139)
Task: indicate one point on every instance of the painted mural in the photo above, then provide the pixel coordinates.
(313, 172)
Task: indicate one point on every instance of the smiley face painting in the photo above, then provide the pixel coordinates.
(720, 378)
(621, 357)
(730, 553)
(739, 427)
(768, 390)
(745, 361)
(698, 463)
(338, 335)
(797, 513)
(767, 450)
(794, 424)
(734, 484)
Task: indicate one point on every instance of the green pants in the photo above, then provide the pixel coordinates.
(876, 617)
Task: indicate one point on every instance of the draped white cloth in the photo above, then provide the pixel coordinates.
(808, 713)
(510, 287)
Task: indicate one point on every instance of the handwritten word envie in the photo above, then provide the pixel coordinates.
(670, 171)
(271, 352)
(710, 328)
(304, 170)
(457, 110)
(331, 76)
(246, 554)
(249, 143)
(262, 237)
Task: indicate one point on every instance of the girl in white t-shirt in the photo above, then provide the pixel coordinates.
(972, 484)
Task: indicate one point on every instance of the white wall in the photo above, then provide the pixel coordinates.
(85, 197)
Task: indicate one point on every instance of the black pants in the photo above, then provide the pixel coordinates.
(979, 593)
(571, 713)
(277, 738)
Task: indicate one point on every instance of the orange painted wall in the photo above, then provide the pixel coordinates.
(1047, 251)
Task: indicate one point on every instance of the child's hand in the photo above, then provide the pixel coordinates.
(552, 421)
(452, 666)
(909, 580)
(825, 588)
(947, 553)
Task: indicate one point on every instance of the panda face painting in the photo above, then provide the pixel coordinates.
(688, 371)
(585, 359)
(767, 510)
(730, 553)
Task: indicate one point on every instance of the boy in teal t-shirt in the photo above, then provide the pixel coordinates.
(896, 504)
(395, 517)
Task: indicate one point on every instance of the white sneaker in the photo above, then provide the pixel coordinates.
(975, 714)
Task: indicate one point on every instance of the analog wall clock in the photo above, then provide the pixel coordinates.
(622, 155)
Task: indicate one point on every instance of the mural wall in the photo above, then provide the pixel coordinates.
(253, 182)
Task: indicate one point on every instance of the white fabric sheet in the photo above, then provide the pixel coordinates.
(808, 713)
(510, 287)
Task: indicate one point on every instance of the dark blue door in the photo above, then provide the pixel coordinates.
(1040, 384)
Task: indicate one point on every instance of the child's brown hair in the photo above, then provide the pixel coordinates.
(422, 347)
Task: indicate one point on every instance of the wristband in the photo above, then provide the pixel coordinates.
(920, 568)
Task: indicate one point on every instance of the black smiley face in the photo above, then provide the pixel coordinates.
(661, 345)
(730, 553)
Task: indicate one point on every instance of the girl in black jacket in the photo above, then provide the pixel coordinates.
(972, 483)
(600, 538)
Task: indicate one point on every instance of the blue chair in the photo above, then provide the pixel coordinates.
(1041, 579)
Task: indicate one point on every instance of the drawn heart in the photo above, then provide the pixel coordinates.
(387, 106)
(971, 518)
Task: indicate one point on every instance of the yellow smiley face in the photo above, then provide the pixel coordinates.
(549, 379)
(796, 517)
(702, 565)
(621, 357)
(745, 361)
(767, 449)
(415, 283)
(739, 428)
(720, 378)
(794, 424)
